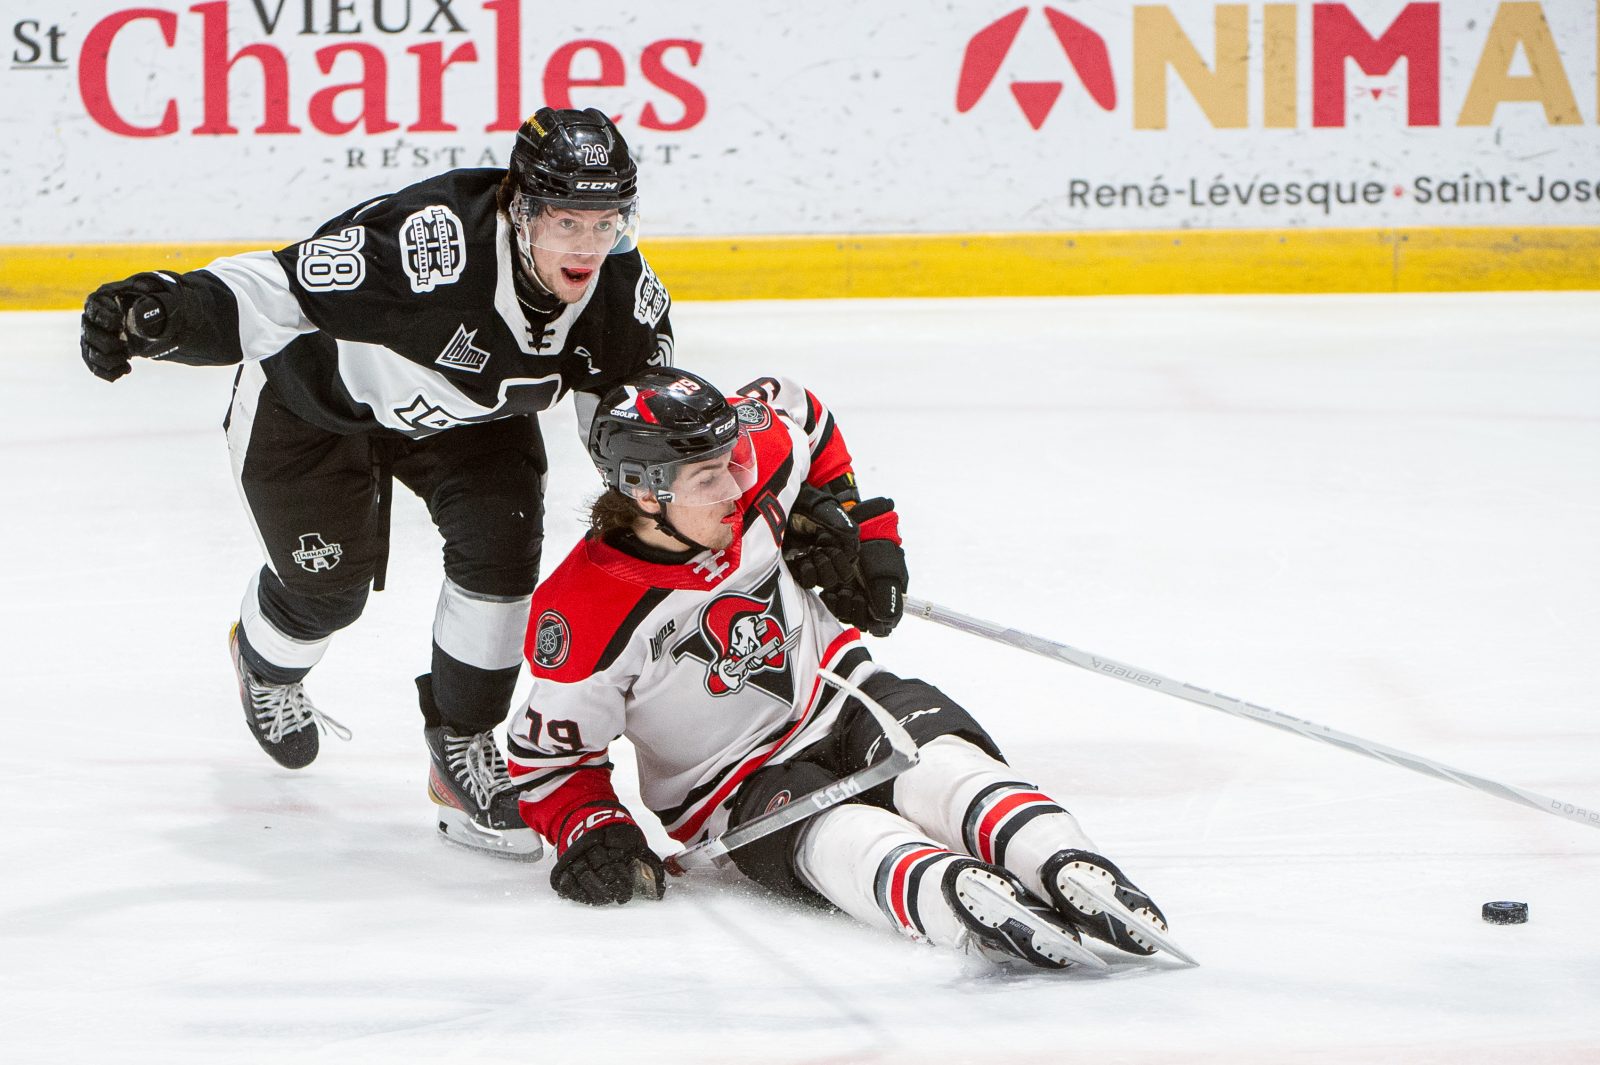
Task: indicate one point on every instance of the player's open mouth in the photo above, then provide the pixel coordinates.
(578, 275)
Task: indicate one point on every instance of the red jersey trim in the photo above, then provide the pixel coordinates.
(546, 816)
(830, 458)
(579, 613)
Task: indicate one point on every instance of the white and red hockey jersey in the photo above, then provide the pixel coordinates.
(709, 667)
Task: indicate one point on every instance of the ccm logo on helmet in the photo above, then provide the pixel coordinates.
(598, 186)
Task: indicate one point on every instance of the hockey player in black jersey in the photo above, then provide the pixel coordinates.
(679, 623)
(415, 336)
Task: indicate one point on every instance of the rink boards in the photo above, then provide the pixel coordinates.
(1098, 263)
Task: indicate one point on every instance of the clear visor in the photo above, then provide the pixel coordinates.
(707, 480)
(567, 228)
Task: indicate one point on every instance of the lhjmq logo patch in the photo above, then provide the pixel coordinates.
(316, 554)
(552, 640)
(462, 354)
(432, 248)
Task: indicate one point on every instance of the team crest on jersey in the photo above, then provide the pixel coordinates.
(649, 297)
(744, 638)
(552, 640)
(461, 354)
(432, 248)
(316, 554)
(753, 415)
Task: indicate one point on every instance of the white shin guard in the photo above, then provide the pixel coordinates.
(880, 869)
(977, 805)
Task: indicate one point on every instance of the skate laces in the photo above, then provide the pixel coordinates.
(477, 764)
(281, 709)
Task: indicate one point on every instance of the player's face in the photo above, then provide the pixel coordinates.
(710, 524)
(568, 248)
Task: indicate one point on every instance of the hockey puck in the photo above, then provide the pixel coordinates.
(1505, 912)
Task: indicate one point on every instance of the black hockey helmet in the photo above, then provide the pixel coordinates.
(658, 423)
(575, 158)
(573, 186)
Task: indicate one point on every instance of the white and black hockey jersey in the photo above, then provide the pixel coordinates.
(409, 313)
(709, 667)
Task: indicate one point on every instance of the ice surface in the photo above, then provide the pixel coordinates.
(1379, 513)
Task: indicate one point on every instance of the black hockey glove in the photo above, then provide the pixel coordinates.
(607, 860)
(821, 540)
(128, 318)
(874, 599)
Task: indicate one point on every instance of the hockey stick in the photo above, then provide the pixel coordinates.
(1239, 708)
(902, 756)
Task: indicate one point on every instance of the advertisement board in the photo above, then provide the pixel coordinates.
(246, 119)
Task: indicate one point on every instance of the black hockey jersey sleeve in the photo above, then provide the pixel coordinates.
(347, 280)
(236, 308)
(369, 275)
(405, 313)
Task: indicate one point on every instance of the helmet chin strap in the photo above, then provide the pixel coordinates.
(530, 286)
(663, 523)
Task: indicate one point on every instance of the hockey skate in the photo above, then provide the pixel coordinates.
(1093, 895)
(1006, 923)
(281, 716)
(475, 798)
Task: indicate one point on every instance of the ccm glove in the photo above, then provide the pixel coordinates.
(821, 541)
(874, 600)
(126, 319)
(606, 859)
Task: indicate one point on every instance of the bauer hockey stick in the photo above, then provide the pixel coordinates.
(1239, 708)
(902, 756)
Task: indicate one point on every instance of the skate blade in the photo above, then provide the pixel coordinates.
(1139, 926)
(1002, 905)
(518, 845)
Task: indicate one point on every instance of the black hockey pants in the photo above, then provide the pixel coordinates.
(318, 503)
(855, 742)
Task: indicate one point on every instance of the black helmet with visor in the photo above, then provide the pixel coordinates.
(574, 184)
(671, 436)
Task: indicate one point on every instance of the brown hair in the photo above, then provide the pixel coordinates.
(610, 511)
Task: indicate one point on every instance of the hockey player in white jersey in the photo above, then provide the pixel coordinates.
(678, 623)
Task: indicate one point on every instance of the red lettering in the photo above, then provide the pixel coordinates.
(92, 72)
(1337, 36)
(373, 87)
(507, 65)
(370, 112)
(431, 64)
(559, 80)
(656, 73)
(217, 64)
